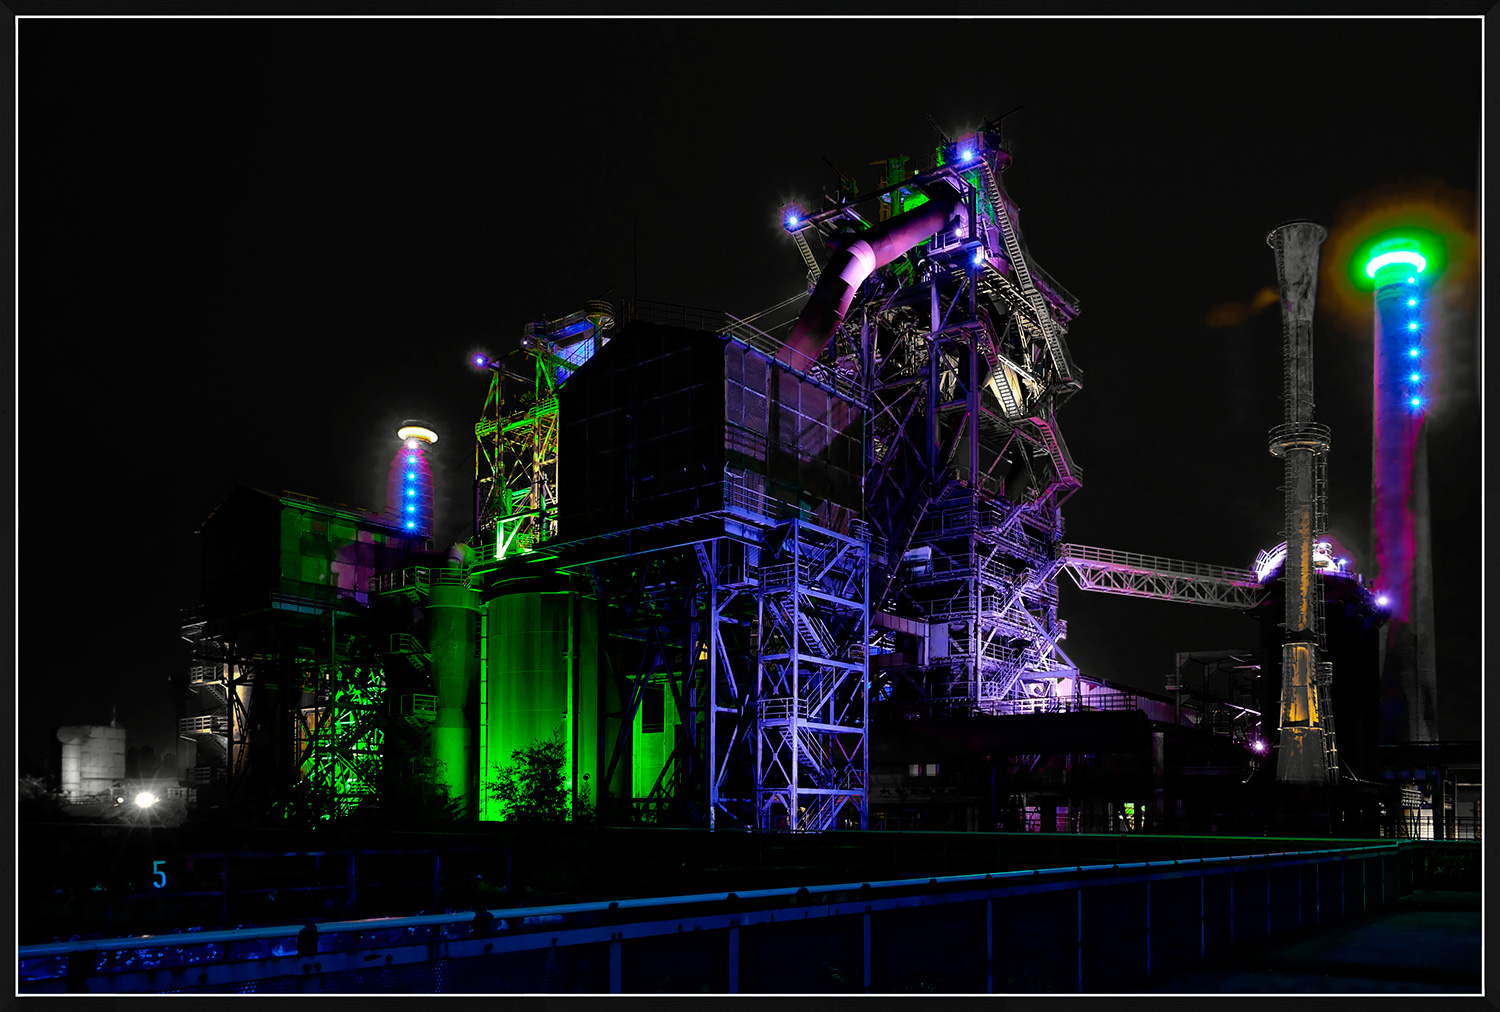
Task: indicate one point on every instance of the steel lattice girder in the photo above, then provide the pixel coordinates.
(812, 756)
(1187, 588)
(666, 618)
(342, 755)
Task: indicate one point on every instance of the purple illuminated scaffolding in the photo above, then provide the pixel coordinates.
(956, 338)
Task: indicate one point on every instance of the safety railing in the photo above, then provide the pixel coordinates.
(205, 674)
(516, 534)
(451, 576)
(419, 708)
(1102, 701)
(406, 644)
(1176, 913)
(781, 708)
(401, 581)
(209, 723)
(738, 496)
(1153, 564)
(672, 315)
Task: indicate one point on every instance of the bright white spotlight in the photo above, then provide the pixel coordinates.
(145, 799)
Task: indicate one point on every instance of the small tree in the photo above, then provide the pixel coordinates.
(36, 799)
(533, 788)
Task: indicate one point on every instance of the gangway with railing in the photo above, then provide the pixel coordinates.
(1161, 579)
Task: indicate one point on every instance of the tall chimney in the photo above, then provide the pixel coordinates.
(1400, 517)
(409, 488)
(1302, 444)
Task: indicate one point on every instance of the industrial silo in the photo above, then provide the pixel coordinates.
(453, 617)
(540, 658)
(93, 759)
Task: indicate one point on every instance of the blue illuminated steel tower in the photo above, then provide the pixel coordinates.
(409, 488)
(1401, 518)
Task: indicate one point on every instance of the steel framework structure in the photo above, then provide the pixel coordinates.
(662, 616)
(1159, 579)
(336, 715)
(339, 738)
(1220, 684)
(961, 347)
(516, 438)
(811, 751)
(220, 683)
(753, 620)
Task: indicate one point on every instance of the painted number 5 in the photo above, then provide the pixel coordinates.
(161, 876)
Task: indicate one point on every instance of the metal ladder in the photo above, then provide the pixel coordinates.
(803, 247)
(1023, 275)
(1323, 679)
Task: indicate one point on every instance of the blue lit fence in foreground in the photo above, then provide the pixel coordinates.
(1106, 927)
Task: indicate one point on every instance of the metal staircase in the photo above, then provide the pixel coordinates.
(822, 812)
(408, 646)
(1068, 474)
(1017, 260)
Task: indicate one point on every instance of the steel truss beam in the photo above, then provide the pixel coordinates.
(1161, 579)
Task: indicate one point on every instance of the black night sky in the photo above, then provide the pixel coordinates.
(248, 249)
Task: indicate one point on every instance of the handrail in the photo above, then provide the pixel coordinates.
(415, 577)
(518, 914)
(1090, 557)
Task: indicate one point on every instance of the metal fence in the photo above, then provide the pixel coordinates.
(1103, 927)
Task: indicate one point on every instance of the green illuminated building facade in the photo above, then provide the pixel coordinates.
(288, 693)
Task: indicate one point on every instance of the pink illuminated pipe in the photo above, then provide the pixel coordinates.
(860, 256)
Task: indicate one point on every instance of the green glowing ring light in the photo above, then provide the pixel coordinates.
(1396, 257)
(1418, 250)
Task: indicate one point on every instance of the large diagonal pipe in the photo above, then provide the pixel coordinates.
(858, 256)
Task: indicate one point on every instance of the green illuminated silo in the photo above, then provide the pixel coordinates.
(540, 678)
(453, 621)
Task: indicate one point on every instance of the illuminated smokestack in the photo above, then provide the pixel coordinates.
(408, 502)
(1302, 444)
(1400, 521)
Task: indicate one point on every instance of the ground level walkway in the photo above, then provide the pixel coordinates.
(1430, 945)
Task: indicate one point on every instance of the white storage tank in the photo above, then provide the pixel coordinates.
(93, 759)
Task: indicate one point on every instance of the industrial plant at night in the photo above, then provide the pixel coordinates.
(810, 582)
(720, 653)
